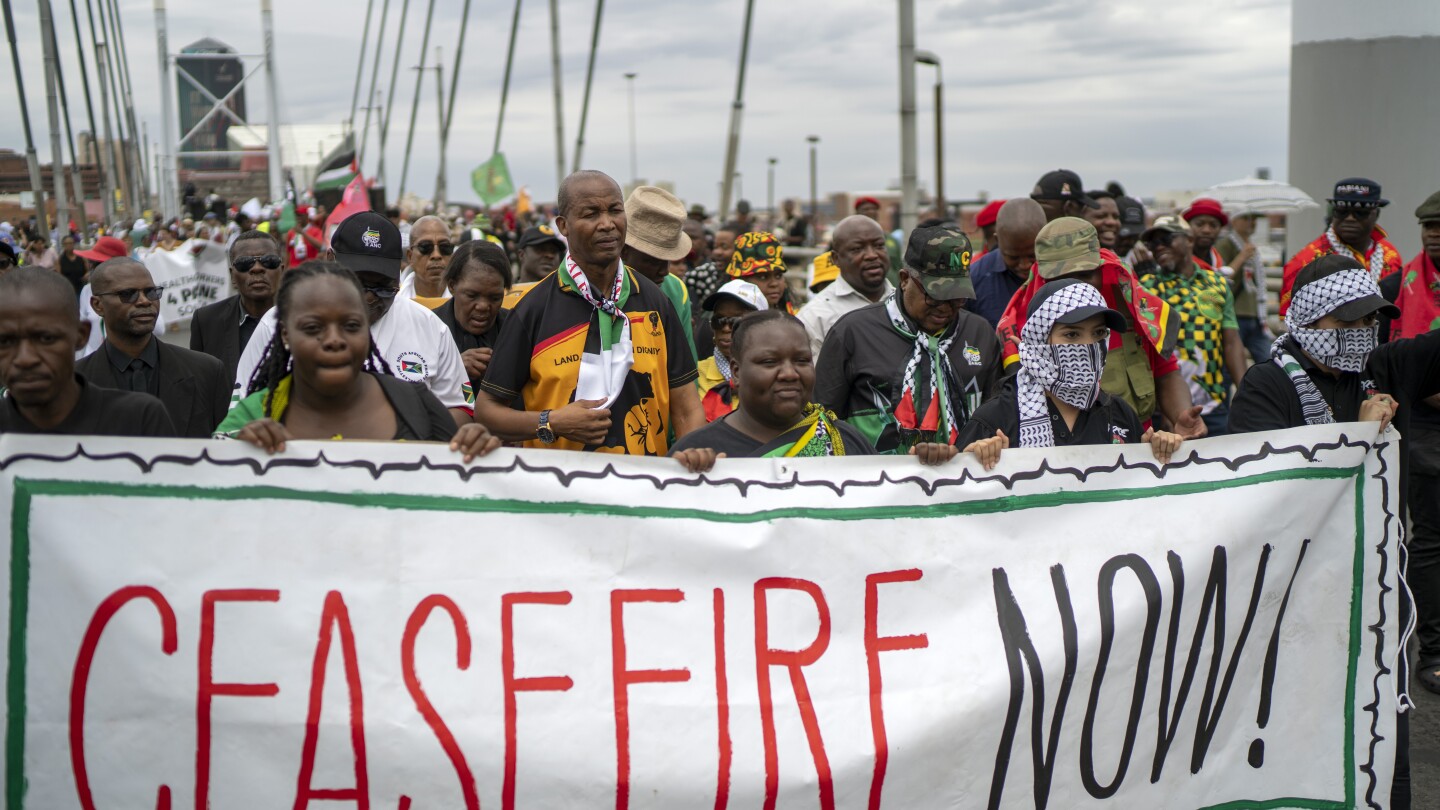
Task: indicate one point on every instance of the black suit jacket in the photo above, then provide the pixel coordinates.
(215, 330)
(193, 386)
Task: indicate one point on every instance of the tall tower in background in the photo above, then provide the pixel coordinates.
(217, 77)
(1364, 103)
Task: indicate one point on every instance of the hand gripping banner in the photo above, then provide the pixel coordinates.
(195, 624)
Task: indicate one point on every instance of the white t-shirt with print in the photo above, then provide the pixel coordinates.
(412, 339)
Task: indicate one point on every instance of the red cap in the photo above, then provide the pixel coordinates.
(106, 248)
(1206, 207)
(987, 215)
(863, 200)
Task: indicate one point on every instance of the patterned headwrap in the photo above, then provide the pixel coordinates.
(1343, 349)
(756, 252)
(1071, 372)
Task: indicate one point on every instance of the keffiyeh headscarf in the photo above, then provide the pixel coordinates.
(1343, 349)
(1377, 255)
(1070, 372)
(930, 389)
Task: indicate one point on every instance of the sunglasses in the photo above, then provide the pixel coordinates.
(427, 247)
(382, 292)
(720, 324)
(244, 265)
(6, 262)
(1356, 211)
(130, 296)
(1162, 239)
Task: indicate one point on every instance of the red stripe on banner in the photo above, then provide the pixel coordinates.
(874, 645)
(559, 683)
(80, 681)
(722, 706)
(794, 661)
(417, 692)
(334, 619)
(622, 678)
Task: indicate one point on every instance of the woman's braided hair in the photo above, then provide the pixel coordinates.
(276, 362)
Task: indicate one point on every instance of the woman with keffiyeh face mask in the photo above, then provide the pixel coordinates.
(1055, 399)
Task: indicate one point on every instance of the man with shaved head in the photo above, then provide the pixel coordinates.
(427, 257)
(999, 273)
(40, 331)
(192, 385)
(858, 249)
(594, 356)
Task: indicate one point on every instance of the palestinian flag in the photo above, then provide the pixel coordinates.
(338, 168)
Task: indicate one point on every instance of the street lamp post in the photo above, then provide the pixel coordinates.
(770, 186)
(932, 58)
(634, 172)
(814, 141)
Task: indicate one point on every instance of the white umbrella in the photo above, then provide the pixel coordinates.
(1251, 195)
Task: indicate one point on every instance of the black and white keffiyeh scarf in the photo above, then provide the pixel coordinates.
(1376, 262)
(1342, 349)
(1070, 372)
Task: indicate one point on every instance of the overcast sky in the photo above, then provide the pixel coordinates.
(1157, 95)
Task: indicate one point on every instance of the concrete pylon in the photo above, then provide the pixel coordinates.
(1363, 104)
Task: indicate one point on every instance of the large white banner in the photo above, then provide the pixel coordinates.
(362, 625)
(194, 274)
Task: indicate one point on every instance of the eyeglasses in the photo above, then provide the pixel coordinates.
(382, 292)
(1354, 210)
(720, 324)
(1162, 239)
(427, 247)
(130, 296)
(270, 262)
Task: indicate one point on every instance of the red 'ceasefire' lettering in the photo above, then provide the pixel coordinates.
(208, 689)
(722, 705)
(80, 681)
(558, 683)
(874, 645)
(334, 618)
(793, 660)
(622, 677)
(417, 692)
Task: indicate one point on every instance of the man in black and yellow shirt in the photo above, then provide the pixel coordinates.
(594, 356)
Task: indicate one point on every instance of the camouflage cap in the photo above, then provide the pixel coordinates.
(1166, 224)
(1067, 245)
(940, 256)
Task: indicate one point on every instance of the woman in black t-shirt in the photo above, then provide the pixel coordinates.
(775, 376)
(321, 377)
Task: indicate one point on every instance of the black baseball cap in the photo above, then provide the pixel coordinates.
(539, 236)
(1332, 263)
(1062, 184)
(1358, 190)
(1132, 216)
(368, 243)
(1113, 319)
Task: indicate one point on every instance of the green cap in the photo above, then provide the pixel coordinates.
(1429, 211)
(1067, 245)
(940, 256)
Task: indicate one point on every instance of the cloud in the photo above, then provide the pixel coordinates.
(1161, 96)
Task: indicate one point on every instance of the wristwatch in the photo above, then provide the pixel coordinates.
(543, 431)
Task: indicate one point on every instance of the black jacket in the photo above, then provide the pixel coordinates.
(215, 330)
(193, 386)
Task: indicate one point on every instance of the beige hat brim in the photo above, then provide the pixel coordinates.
(669, 254)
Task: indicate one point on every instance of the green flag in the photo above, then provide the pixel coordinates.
(287, 219)
(491, 180)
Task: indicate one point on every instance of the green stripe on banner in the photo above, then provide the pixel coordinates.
(434, 503)
(15, 672)
(25, 490)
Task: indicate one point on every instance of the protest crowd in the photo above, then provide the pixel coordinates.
(635, 325)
